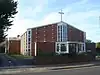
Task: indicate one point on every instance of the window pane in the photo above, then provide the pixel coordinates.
(28, 32)
(58, 47)
(83, 47)
(28, 49)
(28, 39)
(29, 43)
(63, 47)
(72, 48)
(79, 47)
(59, 33)
(64, 33)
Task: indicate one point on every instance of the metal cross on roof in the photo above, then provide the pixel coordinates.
(61, 14)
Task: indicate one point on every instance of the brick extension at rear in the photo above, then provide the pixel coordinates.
(57, 37)
(14, 46)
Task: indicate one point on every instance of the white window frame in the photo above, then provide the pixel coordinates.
(61, 32)
(67, 47)
(59, 52)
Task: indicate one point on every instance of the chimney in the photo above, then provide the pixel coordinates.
(18, 36)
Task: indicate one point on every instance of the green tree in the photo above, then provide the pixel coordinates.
(8, 8)
(88, 41)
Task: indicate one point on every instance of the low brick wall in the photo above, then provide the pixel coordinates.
(91, 47)
(46, 60)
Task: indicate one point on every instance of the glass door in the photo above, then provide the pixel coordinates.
(72, 47)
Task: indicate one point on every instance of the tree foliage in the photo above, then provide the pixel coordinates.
(98, 45)
(88, 41)
(8, 8)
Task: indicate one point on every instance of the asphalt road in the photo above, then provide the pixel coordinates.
(79, 71)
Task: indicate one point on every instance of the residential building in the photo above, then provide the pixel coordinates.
(11, 45)
(14, 45)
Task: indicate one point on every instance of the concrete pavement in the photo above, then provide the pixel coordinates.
(44, 69)
(95, 70)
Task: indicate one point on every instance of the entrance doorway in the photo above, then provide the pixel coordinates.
(76, 47)
(72, 47)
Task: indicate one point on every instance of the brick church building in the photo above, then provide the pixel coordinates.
(57, 37)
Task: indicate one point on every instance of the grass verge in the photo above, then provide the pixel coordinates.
(20, 56)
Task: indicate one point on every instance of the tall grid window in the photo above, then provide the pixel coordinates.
(62, 33)
(59, 33)
(29, 32)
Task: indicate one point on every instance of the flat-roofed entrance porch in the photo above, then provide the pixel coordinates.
(69, 47)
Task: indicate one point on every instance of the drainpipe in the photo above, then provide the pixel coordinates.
(5, 46)
(8, 45)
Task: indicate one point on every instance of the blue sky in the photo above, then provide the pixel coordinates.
(83, 14)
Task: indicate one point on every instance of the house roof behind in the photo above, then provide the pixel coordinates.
(14, 38)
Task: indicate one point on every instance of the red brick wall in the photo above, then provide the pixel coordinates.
(51, 33)
(47, 32)
(48, 60)
(92, 47)
(33, 35)
(46, 46)
(14, 46)
(75, 34)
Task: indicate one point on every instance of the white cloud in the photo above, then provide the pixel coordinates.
(50, 18)
(78, 18)
(21, 23)
(30, 12)
(19, 27)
